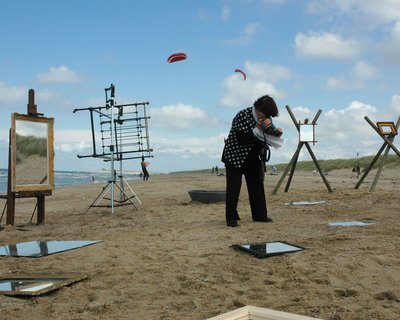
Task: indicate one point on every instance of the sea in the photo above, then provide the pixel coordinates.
(70, 178)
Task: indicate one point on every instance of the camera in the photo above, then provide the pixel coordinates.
(271, 130)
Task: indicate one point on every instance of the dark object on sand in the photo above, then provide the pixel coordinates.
(207, 196)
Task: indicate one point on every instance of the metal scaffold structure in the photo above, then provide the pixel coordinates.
(119, 133)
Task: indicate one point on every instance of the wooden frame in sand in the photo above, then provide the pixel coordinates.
(256, 313)
(32, 153)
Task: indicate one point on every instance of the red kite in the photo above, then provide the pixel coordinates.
(240, 71)
(176, 57)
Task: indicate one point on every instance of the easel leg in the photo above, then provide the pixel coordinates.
(4, 210)
(378, 173)
(296, 154)
(293, 168)
(370, 166)
(318, 167)
(40, 209)
(10, 209)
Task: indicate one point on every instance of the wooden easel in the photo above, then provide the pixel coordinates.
(12, 195)
(387, 144)
(292, 164)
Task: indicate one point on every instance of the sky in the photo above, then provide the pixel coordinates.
(338, 56)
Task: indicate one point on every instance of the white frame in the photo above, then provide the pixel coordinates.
(256, 313)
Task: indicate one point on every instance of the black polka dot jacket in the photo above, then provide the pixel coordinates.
(240, 139)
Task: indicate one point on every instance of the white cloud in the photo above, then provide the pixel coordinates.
(267, 72)
(73, 140)
(12, 93)
(260, 81)
(325, 45)
(379, 11)
(391, 46)
(375, 12)
(246, 37)
(357, 79)
(364, 71)
(59, 75)
(180, 116)
(70, 147)
(73, 135)
(395, 105)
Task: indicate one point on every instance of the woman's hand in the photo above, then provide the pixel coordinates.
(264, 123)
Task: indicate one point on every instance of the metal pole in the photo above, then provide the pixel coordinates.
(112, 146)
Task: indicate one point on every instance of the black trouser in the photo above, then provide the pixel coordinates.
(253, 172)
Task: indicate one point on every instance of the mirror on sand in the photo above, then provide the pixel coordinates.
(268, 249)
(35, 284)
(35, 249)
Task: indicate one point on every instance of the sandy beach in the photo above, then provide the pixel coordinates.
(172, 258)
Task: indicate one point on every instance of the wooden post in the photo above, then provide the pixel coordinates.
(10, 195)
(40, 208)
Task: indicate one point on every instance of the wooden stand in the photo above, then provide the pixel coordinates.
(11, 194)
(387, 144)
(293, 161)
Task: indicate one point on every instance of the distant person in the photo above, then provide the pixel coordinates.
(144, 164)
(93, 179)
(212, 170)
(216, 170)
(245, 153)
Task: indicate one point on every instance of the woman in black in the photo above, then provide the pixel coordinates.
(245, 153)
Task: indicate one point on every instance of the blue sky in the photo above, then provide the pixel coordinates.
(341, 56)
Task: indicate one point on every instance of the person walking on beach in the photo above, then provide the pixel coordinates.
(144, 165)
(245, 152)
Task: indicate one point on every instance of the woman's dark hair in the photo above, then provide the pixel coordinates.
(267, 105)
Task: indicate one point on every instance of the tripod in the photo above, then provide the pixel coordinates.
(124, 199)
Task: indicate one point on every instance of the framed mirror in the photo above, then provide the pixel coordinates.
(307, 133)
(387, 128)
(32, 153)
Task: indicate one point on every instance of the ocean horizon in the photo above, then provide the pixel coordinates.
(69, 178)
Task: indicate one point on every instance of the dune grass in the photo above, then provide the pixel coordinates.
(29, 146)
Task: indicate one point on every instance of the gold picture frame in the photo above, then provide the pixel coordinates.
(32, 153)
(387, 128)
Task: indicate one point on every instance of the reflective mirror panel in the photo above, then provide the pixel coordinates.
(26, 285)
(351, 223)
(31, 152)
(35, 249)
(307, 133)
(305, 203)
(268, 249)
(34, 285)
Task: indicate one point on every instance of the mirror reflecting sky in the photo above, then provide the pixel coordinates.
(268, 249)
(306, 133)
(36, 249)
